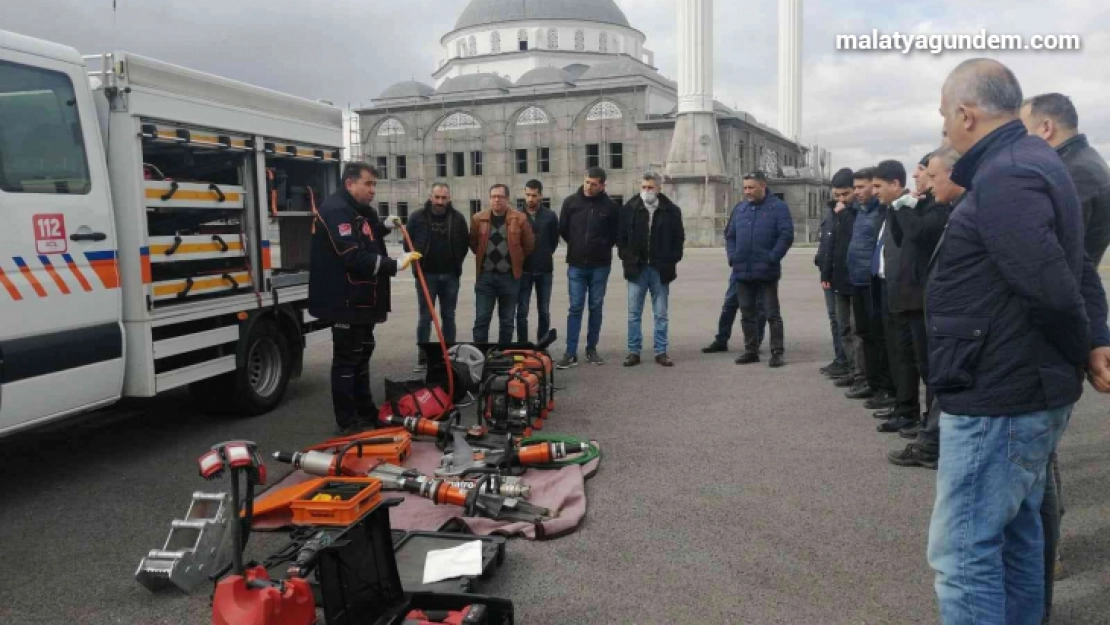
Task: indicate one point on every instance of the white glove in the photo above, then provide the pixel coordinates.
(391, 222)
(904, 201)
(407, 259)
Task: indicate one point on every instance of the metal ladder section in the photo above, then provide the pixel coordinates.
(197, 547)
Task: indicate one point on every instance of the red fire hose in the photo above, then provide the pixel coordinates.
(435, 317)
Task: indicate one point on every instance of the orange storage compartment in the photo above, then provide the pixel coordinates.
(393, 452)
(335, 501)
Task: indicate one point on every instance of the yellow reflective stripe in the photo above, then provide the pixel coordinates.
(208, 196)
(200, 285)
(193, 248)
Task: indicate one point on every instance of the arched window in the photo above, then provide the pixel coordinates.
(472, 43)
(495, 42)
(604, 110)
(603, 42)
(390, 127)
(553, 38)
(522, 39)
(458, 121)
(460, 48)
(616, 44)
(580, 40)
(541, 34)
(531, 116)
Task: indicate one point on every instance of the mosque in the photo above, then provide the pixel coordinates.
(545, 90)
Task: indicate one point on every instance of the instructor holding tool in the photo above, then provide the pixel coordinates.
(349, 287)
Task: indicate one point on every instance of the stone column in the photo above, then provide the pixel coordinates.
(790, 69)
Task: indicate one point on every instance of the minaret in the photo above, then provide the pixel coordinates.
(790, 69)
(696, 145)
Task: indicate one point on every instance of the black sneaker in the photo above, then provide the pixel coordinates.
(776, 361)
(836, 370)
(861, 391)
(881, 400)
(847, 381)
(897, 424)
(910, 434)
(631, 360)
(913, 456)
(715, 347)
(747, 358)
(663, 360)
(592, 357)
(567, 362)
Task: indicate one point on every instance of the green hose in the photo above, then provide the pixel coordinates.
(593, 452)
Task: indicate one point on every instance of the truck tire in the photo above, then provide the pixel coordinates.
(259, 385)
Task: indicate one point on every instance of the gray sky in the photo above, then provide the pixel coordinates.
(863, 106)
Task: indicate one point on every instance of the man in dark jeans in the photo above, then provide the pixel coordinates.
(539, 267)
(918, 229)
(1053, 117)
(349, 287)
(501, 239)
(589, 222)
(832, 262)
(760, 234)
(439, 233)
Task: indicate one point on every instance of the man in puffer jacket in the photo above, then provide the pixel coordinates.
(760, 233)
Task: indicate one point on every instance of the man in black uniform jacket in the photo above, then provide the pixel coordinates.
(349, 287)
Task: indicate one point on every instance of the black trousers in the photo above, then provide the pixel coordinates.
(748, 292)
(911, 362)
(867, 306)
(352, 347)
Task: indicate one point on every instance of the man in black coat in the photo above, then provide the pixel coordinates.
(349, 287)
(589, 223)
(1015, 313)
(650, 247)
(440, 234)
(539, 267)
(832, 261)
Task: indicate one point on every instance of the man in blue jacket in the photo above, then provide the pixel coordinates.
(760, 233)
(1015, 311)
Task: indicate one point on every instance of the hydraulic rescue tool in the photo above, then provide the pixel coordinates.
(249, 596)
(503, 455)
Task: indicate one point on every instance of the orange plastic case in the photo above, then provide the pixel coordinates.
(392, 453)
(337, 513)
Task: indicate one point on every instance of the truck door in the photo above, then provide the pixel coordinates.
(61, 342)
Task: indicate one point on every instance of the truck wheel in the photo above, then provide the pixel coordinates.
(260, 383)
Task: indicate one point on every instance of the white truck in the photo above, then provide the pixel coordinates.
(136, 201)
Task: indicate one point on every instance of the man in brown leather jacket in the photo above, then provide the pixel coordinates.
(501, 239)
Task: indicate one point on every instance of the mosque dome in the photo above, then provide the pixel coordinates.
(545, 76)
(482, 12)
(473, 82)
(407, 89)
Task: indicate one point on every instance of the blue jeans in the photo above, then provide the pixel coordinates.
(732, 306)
(834, 326)
(500, 290)
(986, 541)
(584, 281)
(648, 282)
(444, 288)
(542, 282)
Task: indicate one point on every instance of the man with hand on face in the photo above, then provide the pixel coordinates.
(439, 233)
(539, 267)
(1015, 313)
(759, 235)
(348, 286)
(501, 239)
(650, 246)
(832, 261)
(589, 223)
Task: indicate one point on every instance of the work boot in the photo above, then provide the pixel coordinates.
(421, 363)
(861, 391)
(567, 362)
(847, 381)
(884, 414)
(836, 370)
(881, 400)
(913, 456)
(715, 347)
(593, 357)
(897, 424)
(664, 360)
(776, 360)
(747, 358)
(632, 360)
(911, 434)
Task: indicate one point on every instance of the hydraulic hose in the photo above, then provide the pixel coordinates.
(435, 317)
(593, 452)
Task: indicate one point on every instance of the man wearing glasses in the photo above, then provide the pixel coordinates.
(501, 239)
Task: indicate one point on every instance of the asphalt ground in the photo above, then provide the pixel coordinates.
(726, 494)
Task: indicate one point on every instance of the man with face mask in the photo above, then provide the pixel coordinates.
(650, 246)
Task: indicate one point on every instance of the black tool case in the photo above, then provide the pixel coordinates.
(411, 552)
(498, 611)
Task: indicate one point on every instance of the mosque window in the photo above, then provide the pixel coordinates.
(460, 48)
(522, 39)
(390, 127)
(495, 42)
(458, 121)
(604, 110)
(580, 40)
(553, 38)
(532, 115)
(603, 42)
(472, 43)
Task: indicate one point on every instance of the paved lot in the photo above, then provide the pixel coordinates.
(726, 495)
